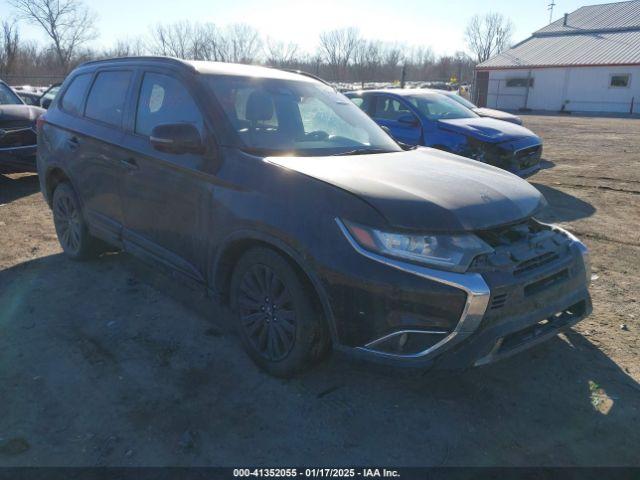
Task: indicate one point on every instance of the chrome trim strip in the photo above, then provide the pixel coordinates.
(160, 140)
(473, 284)
(402, 332)
(21, 147)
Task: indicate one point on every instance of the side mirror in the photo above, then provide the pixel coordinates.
(408, 119)
(176, 138)
(45, 102)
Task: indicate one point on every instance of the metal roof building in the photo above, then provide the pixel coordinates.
(588, 60)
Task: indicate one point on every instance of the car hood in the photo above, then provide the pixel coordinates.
(13, 113)
(486, 129)
(426, 189)
(497, 114)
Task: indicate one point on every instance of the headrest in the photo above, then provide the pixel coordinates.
(259, 106)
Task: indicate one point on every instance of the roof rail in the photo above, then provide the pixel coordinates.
(172, 60)
(305, 74)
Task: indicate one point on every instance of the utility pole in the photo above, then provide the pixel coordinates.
(550, 8)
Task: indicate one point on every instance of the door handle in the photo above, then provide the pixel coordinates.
(73, 143)
(129, 163)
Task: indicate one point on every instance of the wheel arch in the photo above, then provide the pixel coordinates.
(53, 177)
(237, 244)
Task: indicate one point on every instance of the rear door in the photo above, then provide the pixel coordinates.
(168, 197)
(387, 110)
(93, 146)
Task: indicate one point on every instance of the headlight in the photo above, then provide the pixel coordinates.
(447, 252)
(477, 150)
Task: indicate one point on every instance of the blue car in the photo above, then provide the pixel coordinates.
(424, 117)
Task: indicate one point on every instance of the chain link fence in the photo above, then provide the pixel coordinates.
(42, 80)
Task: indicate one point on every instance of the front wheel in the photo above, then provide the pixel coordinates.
(281, 329)
(71, 228)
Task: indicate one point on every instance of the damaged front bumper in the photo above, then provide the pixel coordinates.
(507, 309)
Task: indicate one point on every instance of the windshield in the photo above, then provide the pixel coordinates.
(287, 117)
(461, 100)
(436, 106)
(8, 96)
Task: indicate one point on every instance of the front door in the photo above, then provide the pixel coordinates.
(167, 198)
(397, 117)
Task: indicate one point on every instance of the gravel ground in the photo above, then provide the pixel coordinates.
(106, 363)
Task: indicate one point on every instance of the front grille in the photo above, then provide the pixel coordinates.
(21, 137)
(553, 323)
(527, 157)
(15, 124)
(547, 282)
(521, 249)
(535, 263)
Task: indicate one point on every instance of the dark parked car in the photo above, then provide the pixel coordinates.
(17, 132)
(43, 99)
(483, 111)
(272, 192)
(48, 95)
(431, 119)
(29, 98)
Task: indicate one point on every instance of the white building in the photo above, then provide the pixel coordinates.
(587, 61)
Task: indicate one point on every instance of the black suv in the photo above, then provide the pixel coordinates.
(275, 193)
(17, 132)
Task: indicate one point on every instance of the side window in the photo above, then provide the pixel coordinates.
(388, 108)
(164, 99)
(248, 101)
(72, 100)
(358, 102)
(107, 97)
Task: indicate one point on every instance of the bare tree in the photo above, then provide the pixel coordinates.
(126, 48)
(68, 23)
(9, 47)
(280, 54)
(338, 47)
(488, 35)
(242, 44)
(367, 59)
(173, 40)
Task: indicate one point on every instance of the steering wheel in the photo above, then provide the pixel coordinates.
(317, 135)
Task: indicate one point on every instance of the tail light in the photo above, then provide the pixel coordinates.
(40, 121)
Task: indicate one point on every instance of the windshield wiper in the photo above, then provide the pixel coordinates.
(266, 152)
(363, 151)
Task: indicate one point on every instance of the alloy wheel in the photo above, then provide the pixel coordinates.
(267, 312)
(68, 224)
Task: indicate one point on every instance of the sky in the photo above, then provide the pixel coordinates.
(429, 23)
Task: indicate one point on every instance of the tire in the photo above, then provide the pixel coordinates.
(71, 228)
(279, 326)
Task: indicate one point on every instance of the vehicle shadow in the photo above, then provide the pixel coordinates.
(17, 186)
(562, 206)
(546, 164)
(105, 369)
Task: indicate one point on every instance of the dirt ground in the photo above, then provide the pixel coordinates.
(104, 363)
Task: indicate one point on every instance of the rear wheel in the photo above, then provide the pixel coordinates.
(72, 231)
(279, 326)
